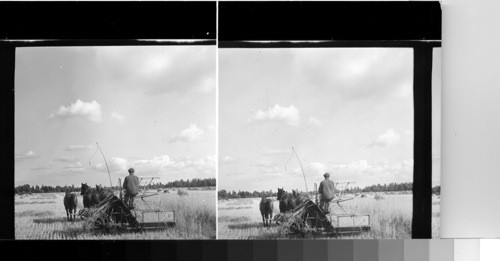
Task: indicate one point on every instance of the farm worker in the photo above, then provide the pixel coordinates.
(326, 191)
(131, 186)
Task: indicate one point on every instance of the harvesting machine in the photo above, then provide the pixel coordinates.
(113, 214)
(308, 217)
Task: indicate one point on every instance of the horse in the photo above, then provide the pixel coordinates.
(90, 196)
(299, 197)
(103, 193)
(70, 201)
(266, 210)
(287, 201)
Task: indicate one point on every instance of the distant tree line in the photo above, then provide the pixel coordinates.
(382, 188)
(24, 189)
(392, 187)
(190, 183)
(223, 194)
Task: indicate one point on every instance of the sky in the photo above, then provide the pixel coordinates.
(346, 111)
(149, 107)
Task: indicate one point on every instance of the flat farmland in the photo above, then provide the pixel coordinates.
(42, 216)
(390, 217)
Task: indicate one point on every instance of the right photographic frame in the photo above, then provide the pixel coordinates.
(328, 138)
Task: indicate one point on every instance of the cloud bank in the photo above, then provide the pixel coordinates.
(191, 134)
(389, 138)
(26, 156)
(287, 115)
(78, 147)
(86, 110)
(117, 117)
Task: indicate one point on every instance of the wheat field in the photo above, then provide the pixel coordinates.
(42, 216)
(390, 218)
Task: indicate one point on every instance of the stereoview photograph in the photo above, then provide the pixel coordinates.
(115, 142)
(318, 142)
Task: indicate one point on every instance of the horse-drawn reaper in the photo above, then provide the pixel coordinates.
(106, 209)
(111, 213)
(302, 215)
(308, 217)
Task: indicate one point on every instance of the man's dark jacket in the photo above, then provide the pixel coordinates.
(131, 184)
(327, 189)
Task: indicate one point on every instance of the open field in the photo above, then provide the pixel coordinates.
(390, 217)
(42, 216)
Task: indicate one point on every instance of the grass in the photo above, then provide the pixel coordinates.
(38, 218)
(390, 218)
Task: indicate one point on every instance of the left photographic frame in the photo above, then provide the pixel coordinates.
(114, 138)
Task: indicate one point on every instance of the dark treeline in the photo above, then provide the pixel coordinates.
(211, 182)
(392, 187)
(382, 188)
(223, 194)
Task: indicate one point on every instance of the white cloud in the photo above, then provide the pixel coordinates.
(389, 138)
(115, 164)
(160, 69)
(86, 110)
(165, 165)
(357, 74)
(154, 65)
(191, 134)
(227, 160)
(117, 117)
(362, 168)
(78, 147)
(315, 121)
(362, 171)
(318, 167)
(162, 166)
(288, 115)
(154, 164)
(207, 85)
(27, 155)
(66, 159)
(357, 166)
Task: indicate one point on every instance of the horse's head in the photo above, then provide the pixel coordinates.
(84, 188)
(281, 193)
(98, 188)
(295, 192)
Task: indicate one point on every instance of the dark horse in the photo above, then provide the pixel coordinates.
(103, 192)
(70, 202)
(90, 196)
(266, 210)
(299, 197)
(287, 201)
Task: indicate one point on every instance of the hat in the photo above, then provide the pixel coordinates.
(131, 170)
(326, 175)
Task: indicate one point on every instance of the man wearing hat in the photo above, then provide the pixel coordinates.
(326, 191)
(131, 186)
